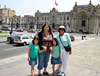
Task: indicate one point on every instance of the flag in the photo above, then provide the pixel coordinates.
(56, 3)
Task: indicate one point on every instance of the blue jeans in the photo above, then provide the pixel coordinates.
(43, 59)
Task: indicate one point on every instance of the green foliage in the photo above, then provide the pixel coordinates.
(0, 31)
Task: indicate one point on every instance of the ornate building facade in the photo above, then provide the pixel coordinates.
(81, 17)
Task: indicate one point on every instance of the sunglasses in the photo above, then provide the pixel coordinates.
(61, 29)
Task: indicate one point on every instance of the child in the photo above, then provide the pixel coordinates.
(55, 58)
(33, 53)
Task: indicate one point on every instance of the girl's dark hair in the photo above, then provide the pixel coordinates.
(35, 37)
(50, 29)
(55, 40)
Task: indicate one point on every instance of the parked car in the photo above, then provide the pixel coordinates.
(5, 28)
(32, 30)
(72, 38)
(12, 37)
(23, 39)
(20, 30)
(38, 30)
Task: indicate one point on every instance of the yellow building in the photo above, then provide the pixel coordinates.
(7, 12)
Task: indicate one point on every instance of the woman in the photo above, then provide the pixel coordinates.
(64, 40)
(45, 43)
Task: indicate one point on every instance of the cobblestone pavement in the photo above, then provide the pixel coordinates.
(85, 61)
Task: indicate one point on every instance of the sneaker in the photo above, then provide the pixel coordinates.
(62, 74)
(46, 73)
(39, 75)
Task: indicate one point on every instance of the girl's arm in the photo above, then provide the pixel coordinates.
(40, 50)
(29, 48)
(59, 52)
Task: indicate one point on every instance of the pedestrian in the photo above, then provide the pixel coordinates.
(55, 58)
(45, 43)
(64, 40)
(82, 36)
(33, 53)
(97, 33)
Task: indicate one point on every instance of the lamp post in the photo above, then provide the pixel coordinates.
(88, 24)
(11, 22)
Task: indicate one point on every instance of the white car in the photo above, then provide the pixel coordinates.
(23, 39)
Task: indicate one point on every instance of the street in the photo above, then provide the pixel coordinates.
(8, 50)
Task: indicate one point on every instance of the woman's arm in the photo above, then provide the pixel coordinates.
(51, 50)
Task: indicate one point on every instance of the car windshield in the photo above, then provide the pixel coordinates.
(17, 38)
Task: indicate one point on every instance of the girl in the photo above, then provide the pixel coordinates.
(55, 58)
(33, 53)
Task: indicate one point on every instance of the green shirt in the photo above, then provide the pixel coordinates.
(34, 50)
(55, 52)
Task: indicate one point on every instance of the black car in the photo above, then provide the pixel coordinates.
(12, 37)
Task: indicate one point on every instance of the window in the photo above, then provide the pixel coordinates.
(23, 38)
(83, 23)
(67, 18)
(48, 18)
(42, 18)
(89, 10)
(53, 18)
(60, 18)
(64, 17)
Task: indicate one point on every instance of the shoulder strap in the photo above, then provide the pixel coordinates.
(60, 40)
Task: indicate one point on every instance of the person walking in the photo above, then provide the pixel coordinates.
(45, 43)
(33, 53)
(64, 40)
(55, 58)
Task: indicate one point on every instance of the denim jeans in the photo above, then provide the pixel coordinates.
(43, 59)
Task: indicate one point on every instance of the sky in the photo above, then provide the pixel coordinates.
(29, 7)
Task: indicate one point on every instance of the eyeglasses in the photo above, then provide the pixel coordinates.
(61, 29)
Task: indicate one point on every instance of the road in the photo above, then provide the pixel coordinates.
(9, 50)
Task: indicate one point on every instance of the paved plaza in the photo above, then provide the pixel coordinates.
(85, 60)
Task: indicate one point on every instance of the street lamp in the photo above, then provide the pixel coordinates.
(11, 22)
(88, 24)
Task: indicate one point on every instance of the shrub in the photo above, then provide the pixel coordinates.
(0, 31)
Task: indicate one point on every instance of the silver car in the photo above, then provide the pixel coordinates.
(23, 39)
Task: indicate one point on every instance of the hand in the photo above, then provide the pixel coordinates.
(28, 58)
(44, 48)
(50, 48)
(70, 52)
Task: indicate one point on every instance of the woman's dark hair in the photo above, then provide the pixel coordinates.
(50, 29)
(35, 37)
(55, 40)
(61, 28)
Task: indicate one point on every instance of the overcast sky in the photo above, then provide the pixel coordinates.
(29, 7)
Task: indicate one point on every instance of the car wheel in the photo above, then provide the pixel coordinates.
(24, 43)
(11, 42)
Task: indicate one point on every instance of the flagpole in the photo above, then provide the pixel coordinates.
(59, 8)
